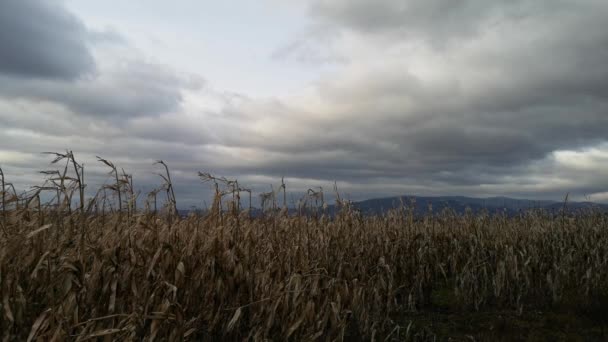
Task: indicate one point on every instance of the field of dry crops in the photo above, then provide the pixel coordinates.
(124, 274)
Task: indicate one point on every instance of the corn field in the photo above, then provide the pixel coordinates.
(77, 272)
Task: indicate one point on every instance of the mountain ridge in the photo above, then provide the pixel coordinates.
(459, 204)
(475, 204)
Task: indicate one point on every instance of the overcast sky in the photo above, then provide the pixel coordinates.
(386, 97)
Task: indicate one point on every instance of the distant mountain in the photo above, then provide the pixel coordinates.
(459, 204)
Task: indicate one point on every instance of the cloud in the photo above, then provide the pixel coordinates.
(53, 59)
(482, 109)
(42, 40)
(126, 90)
(314, 47)
(438, 21)
(108, 36)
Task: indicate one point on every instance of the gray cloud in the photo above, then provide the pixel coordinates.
(437, 21)
(510, 94)
(130, 90)
(41, 39)
(49, 59)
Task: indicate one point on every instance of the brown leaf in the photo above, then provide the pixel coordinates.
(37, 325)
(35, 232)
(234, 320)
(104, 332)
(154, 259)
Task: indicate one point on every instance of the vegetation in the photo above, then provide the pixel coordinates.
(101, 268)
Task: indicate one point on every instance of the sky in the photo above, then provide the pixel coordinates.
(384, 97)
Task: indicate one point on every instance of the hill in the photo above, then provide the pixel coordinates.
(459, 204)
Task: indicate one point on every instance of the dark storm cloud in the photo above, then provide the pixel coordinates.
(41, 39)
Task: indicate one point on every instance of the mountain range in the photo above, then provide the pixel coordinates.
(459, 204)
